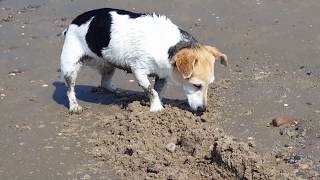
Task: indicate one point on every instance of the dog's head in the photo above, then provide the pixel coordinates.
(194, 70)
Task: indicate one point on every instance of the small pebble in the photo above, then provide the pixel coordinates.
(44, 85)
(280, 121)
(14, 72)
(251, 144)
(204, 118)
(129, 151)
(85, 177)
(171, 147)
(304, 166)
(152, 168)
(291, 161)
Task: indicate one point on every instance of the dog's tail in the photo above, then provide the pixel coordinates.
(61, 76)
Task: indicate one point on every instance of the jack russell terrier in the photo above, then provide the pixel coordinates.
(142, 44)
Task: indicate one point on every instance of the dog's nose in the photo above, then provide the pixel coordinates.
(202, 108)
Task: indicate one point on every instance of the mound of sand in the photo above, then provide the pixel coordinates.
(172, 144)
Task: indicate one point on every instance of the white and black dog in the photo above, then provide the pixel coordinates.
(144, 44)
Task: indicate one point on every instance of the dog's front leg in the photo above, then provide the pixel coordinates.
(144, 82)
(159, 86)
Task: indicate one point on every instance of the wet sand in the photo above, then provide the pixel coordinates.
(273, 47)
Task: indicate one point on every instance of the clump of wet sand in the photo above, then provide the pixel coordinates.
(172, 144)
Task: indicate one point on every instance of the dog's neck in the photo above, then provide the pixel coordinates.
(187, 41)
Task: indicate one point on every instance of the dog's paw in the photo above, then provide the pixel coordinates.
(156, 107)
(108, 86)
(75, 109)
(111, 88)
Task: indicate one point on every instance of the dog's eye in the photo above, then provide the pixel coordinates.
(198, 86)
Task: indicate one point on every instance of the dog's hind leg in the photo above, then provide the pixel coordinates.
(106, 78)
(143, 81)
(70, 65)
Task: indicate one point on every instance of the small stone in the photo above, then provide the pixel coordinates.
(171, 147)
(129, 151)
(2, 95)
(44, 85)
(204, 118)
(291, 161)
(285, 105)
(280, 121)
(286, 145)
(85, 177)
(41, 126)
(251, 144)
(304, 166)
(131, 80)
(152, 168)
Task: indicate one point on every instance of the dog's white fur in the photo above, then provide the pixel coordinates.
(141, 44)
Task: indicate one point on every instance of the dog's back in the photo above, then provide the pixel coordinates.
(123, 38)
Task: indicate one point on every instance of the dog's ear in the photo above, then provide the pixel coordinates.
(218, 55)
(185, 61)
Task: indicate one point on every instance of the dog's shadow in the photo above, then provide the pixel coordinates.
(85, 93)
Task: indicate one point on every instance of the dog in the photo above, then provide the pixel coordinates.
(142, 44)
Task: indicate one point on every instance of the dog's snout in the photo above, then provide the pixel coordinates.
(202, 108)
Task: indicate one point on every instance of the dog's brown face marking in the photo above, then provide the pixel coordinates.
(196, 67)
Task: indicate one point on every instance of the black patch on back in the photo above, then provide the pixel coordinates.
(187, 41)
(98, 35)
